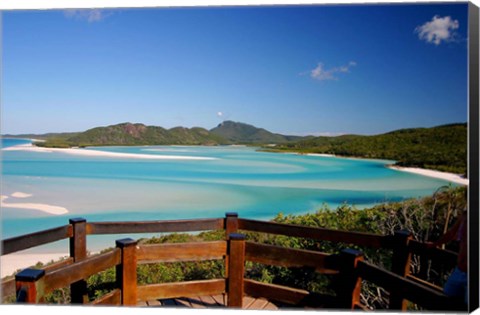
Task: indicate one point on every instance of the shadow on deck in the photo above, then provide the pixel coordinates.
(248, 303)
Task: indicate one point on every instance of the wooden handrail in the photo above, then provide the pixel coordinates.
(437, 254)
(155, 226)
(26, 241)
(287, 257)
(66, 275)
(181, 289)
(111, 298)
(321, 234)
(275, 292)
(176, 252)
(422, 295)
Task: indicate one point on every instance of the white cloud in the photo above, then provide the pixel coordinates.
(438, 29)
(219, 114)
(322, 74)
(91, 16)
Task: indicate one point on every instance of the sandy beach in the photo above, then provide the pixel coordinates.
(454, 178)
(12, 262)
(321, 154)
(86, 152)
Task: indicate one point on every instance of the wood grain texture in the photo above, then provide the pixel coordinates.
(286, 257)
(111, 299)
(155, 226)
(181, 252)
(19, 243)
(66, 275)
(362, 239)
(181, 289)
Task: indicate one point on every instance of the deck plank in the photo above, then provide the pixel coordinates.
(153, 303)
(221, 299)
(270, 306)
(247, 301)
(211, 301)
(183, 302)
(142, 304)
(196, 302)
(258, 304)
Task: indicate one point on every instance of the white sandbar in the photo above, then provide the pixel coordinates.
(86, 152)
(55, 210)
(454, 178)
(12, 262)
(19, 194)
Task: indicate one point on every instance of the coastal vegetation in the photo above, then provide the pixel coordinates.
(426, 218)
(442, 148)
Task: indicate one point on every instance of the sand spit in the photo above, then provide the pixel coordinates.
(454, 178)
(86, 152)
(55, 210)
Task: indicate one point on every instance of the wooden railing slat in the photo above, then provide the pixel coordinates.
(444, 256)
(425, 283)
(362, 239)
(410, 290)
(181, 289)
(275, 292)
(181, 252)
(112, 298)
(26, 241)
(286, 257)
(155, 226)
(65, 276)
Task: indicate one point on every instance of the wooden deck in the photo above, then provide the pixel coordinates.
(211, 301)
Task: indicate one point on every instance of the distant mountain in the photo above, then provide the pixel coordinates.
(237, 132)
(136, 134)
(442, 148)
(228, 132)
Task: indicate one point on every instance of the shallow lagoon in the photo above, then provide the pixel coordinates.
(254, 184)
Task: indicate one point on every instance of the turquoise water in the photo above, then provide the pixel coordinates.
(254, 184)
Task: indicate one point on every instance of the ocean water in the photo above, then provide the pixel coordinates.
(254, 184)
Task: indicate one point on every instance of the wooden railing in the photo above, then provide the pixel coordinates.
(348, 266)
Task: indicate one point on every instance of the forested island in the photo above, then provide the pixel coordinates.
(442, 148)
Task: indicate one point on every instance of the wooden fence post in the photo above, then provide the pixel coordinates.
(231, 223)
(78, 251)
(349, 284)
(400, 265)
(236, 266)
(29, 286)
(231, 226)
(126, 272)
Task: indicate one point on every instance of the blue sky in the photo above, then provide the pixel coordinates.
(322, 70)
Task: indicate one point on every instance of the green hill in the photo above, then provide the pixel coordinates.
(136, 134)
(236, 132)
(441, 148)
